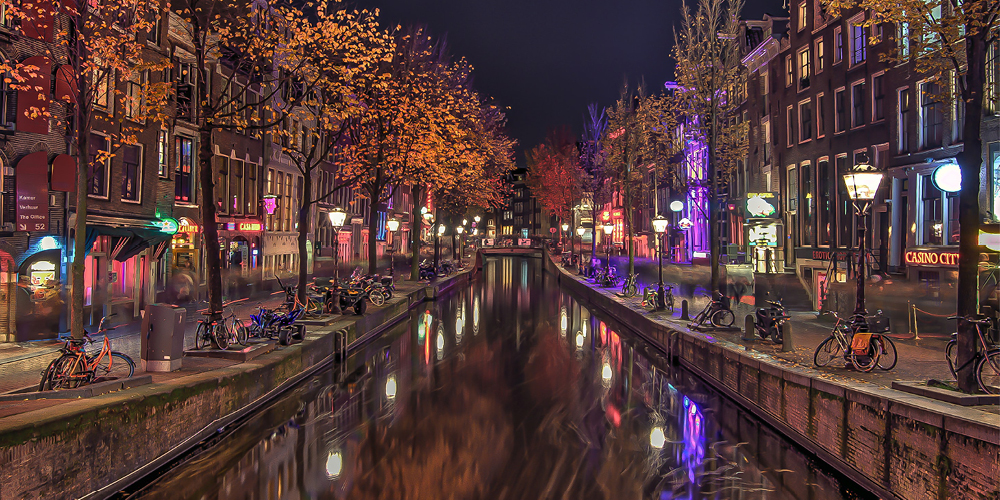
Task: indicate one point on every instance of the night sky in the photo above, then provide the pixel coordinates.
(547, 59)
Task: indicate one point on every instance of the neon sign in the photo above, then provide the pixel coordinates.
(761, 205)
(270, 204)
(249, 226)
(931, 258)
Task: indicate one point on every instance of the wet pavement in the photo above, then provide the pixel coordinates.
(508, 389)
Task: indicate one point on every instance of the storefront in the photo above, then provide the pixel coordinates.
(39, 296)
(239, 242)
(764, 233)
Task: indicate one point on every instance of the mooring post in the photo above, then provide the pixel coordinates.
(748, 327)
(684, 311)
(787, 344)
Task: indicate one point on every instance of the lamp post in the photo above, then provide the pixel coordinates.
(660, 227)
(392, 225)
(562, 236)
(580, 231)
(608, 229)
(458, 231)
(337, 218)
(862, 184)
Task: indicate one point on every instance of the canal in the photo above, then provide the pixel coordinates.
(506, 389)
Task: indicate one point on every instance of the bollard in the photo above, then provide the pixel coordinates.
(684, 311)
(748, 327)
(787, 344)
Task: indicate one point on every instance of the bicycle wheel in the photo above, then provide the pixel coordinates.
(827, 351)
(377, 298)
(669, 301)
(723, 318)
(887, 359)
(69, 372)
(241, 331)
(46, 382)
(115, 366)
(988, 372)
(631, 291)
(201, 336)
(867, 361)
(951, 353)
(221, 335)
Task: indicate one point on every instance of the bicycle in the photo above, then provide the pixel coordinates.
(863, 349)
(649, 297)
(74, 367)
(716, 312)
(629, 287)
(235, 328)
(987, 359)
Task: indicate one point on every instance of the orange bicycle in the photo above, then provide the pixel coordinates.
(75, 367)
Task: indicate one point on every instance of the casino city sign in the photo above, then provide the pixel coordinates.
(932, 258)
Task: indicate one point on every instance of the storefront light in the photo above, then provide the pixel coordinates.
(48, 243)
(676, 206)
(948, 178)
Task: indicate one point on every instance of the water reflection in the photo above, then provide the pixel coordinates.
(520, 409)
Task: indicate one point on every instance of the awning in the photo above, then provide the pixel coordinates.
(126, 242)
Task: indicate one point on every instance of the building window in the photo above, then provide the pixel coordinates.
(858, 104)
(992, 87)
(131, 172)
(958, 109)
(183, 170)
(838, 45)
(286, 223)
(824, 207)
(803, 13)
(764, 92)
(820, 49)
(789, 71)
(236, 187)
(805, 63)
(820, 116)
(808, 203)
(134, 100)
(790, 125)
(933, 222)
(793, 188)
(221, 180)
(251, 188)
(186, 79)
(840, 104)
(903, 127)
(859, 40)
(766, 136)
(878, 97)
(269, 219)
(100, 158)
(805, 121)
(903, 40)
(103, 88)
(845, 207)
(931, 116)
(162, 153)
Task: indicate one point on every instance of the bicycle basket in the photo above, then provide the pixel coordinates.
(878, 323)
(859, 344)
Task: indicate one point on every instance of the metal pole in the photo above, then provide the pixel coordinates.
(859, 304)
(661, 303)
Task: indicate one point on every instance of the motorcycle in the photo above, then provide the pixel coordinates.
(427, 271)
(354, 297)
(770, 321)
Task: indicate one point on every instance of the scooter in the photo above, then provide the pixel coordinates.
(770, 321)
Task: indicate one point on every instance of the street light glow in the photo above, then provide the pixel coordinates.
(390, 387)
(337, 217)
(656, 437)
(580, 231)
(565, 227)
(334, 464)
(393, 224)
(659, 224)
(676, 206)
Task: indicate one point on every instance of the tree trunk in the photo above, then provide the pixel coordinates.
(415, 222)
(970, 162)
(713, 212)
(593, 234)
(437, 239)
(372, 240)
(210, 225)
(306, 203)
(80, 231)
(631, 247)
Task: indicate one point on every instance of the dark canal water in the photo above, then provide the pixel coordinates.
(507, 389)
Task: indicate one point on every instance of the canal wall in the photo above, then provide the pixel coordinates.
(91, 447)
(893, 443)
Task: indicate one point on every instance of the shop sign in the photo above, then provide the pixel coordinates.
(187, 226)
(823, 254)
(930, 257)
(761, 205)
(344, 237)
(33, 192)
(616, 214)
(605, 215)
(167, 225)
(249, 226)
(948, 178)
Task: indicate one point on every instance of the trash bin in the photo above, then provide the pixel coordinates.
(162, 338)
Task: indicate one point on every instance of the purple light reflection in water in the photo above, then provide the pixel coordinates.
(692, 454)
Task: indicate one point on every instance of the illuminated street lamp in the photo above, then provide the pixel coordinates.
(862, 184)
(660, 227)
(337, 218)
(477, 219)
(458, 231)
(392, 225)
(608, 229)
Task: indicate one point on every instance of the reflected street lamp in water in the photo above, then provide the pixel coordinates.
(660, 227)
(862, 184)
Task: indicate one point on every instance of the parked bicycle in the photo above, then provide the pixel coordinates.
(716, 312)
(649, 296)
(863, 349)
(629, 287)
(987, 359)
(75, 367)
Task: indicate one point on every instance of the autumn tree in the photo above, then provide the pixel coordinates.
(947, 41)
(708, 72)
(342, 50)
(554, 174)
(597, 177)
(104, 45)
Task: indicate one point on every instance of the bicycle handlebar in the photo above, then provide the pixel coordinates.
(979, 321)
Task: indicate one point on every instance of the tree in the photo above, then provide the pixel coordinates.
(708, 71)
(105, 47)
(345, 49)
(948, 40)
(554, 174)
(596, 183)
